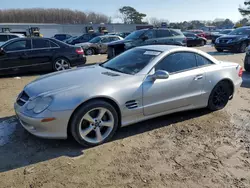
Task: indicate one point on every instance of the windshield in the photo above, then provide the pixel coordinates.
(240, 31)
(135, 34)
(131, 61)
(95, 40)
(225, 32)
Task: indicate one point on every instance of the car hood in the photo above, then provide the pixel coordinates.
(85, 77)
(232, 36)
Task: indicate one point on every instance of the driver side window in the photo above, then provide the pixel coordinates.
(18, 45)
(150, 34)
(177, 62)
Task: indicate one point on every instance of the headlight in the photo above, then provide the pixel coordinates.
(128, 45)
(39, 104)
(217, 40)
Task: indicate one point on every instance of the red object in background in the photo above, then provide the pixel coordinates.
(200, 33)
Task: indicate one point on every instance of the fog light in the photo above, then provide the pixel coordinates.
(47, 120)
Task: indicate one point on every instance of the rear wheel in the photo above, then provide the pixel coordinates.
(219, 50)
(61, 64)
(219, 96)
(94, 123)
(89, 51)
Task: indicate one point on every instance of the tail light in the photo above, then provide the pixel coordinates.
(80, 51)
(240, 72)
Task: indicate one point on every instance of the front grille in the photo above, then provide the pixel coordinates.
(22, 98)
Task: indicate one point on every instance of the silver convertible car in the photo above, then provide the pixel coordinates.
(92, 102)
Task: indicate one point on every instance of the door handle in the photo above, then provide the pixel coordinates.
(198, 77)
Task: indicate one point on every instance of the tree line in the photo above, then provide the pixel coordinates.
(53, 15)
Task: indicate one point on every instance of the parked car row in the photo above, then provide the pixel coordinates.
(98, 45)
(25, 55)
(147, 37)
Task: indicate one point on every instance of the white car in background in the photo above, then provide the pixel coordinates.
(4, 37)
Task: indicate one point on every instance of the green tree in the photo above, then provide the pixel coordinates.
(245, 11)
(129, 15)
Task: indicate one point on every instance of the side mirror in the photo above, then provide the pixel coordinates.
(160, 74)
(2, 52)
(144, 38)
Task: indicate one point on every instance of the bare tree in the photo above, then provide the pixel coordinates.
(156, 22)
(53, 15)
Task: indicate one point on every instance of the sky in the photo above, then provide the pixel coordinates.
(172, 10)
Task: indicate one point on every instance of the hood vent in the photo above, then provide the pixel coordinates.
(110, 74)
(131, 104)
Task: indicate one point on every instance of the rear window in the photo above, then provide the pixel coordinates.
(3, 38)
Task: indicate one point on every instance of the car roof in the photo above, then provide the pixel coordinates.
(163, 48)
(103, 36)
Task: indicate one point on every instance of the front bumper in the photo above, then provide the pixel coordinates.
(56, 129)
(228, 46)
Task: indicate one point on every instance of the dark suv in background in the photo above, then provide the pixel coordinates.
(235, 41)
(147, 37)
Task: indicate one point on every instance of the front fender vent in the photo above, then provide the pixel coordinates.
(131, 104)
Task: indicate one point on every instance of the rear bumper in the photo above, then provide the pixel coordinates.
(81, 60)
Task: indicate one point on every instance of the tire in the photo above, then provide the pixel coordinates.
(242, 48)
(60, 64)
(86, 126)
(219, 96)
(219, 50)
(246, 64)
(89, 51)
(203, 43)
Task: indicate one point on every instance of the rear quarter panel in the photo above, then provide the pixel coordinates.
(218, 72)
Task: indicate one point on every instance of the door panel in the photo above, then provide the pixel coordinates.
(40, 59)
(179, 90)
(11, 62)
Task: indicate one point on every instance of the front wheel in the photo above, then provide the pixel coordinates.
(94, 123)
(219, 50)
(247, 64)
(242, 48)
(219, 96)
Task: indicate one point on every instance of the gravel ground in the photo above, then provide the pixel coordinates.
(189, 149)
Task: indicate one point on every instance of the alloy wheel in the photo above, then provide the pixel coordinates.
(96, 125)
(62, 64)
(220, 97)
(89, 52)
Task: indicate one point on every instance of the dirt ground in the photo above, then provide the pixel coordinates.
(192, 149)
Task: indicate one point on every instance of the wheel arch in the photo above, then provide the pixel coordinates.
(106, 99)
(231, 84)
